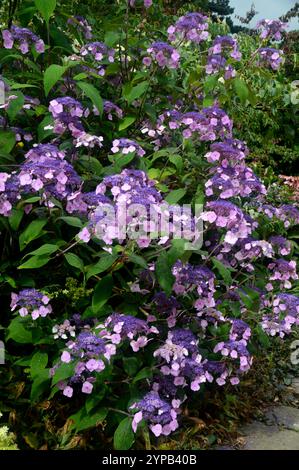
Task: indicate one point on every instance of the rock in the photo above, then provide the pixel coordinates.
(295, 385)
(259, 436)
(285, 416)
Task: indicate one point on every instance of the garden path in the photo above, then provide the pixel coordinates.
(279, 428)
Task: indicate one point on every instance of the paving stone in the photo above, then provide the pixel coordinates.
(259, 436)
(295, 385)
(286, 416)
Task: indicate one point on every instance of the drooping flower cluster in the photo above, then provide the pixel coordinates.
(111, 109)
(9, 192)
(158, 413)
(286, 213)
(224, 214)
(46, 170)
(235, 350)
(271, 29)
(87, 140)
(81, 25)
(67, 112)
(30, 302)
(289, 214)
(190, 27)
(126, 146)
(230, 152)
(118, 328)
(234, 181)
(189, 278)
(225, 44)
(209, 124)
(284, 315)
(162, 54)
(128, 189)
(216, 63)
(99, 51)
(281, 245)
(244, 253)
(90, 353)
(83, 203)
(269, 57)
(64, 330)
(167, 307)
(283, 271)
(22, 39)
(239, 331)
(222, 48)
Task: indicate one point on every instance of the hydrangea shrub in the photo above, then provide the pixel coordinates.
(109, 127)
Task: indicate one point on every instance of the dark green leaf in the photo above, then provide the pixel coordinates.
(7, 141)
(63, 372)
(18, 332)
(32, 232)
(124, 436)
(104, 263)
(35, 262)
(93, 94)
(46, 8)
(52, 75)
(74, 261)
(102, 292)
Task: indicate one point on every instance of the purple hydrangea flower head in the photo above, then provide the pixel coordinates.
(235, 350)
(289, 214)
(167, 306)
(111, 109)
(190, 278)
(271, 29)
(284, 315)
(98, 50)
(281, 245)
(283, 271)
(89, 352)
(190, 27)
(209, 124)
(270, 57)
(83, 203)
(158, 413)
(239, 331)
(67, 105)
(230, 152)
(119, 327)
(31, 302)
(163, 54)
(9, 192)
(126, 146)
(224, 44)
(42, 152)
(22, 38)
(55, 177)
(232, 181)
(82, 26)
(225, 214)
